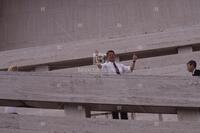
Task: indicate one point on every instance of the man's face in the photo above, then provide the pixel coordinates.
(190, 67)
(111, 56)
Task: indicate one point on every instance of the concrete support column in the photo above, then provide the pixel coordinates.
(183, 50)
(75, 111)
(42, 69)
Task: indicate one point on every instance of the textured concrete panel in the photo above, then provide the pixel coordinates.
(26, 23)
(35, 124)
(150, 94)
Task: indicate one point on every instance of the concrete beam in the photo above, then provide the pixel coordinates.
(35, 124)
(80, 54)
(188, 114)
(174, 64)
(144, 94)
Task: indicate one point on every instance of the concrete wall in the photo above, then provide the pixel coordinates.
(27, 23)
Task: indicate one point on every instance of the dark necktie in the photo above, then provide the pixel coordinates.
(116, 68)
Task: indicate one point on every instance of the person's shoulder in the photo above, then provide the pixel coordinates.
(122, 65)
(197, 72)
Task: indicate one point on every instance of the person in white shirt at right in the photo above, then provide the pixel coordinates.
(111, 67)
(191, 67)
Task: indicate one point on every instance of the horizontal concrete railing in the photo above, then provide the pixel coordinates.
(36, 124)
(144, 94)
(172, 64)
(79, 94)
(80, 54)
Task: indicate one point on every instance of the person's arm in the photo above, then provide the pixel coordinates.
(131, 67)
(133, 63)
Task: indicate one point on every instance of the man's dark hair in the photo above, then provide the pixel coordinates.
(110, 51)
(192, 62)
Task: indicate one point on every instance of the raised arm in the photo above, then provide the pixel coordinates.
(133, 63)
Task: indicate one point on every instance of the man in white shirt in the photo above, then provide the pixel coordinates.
(111, 67)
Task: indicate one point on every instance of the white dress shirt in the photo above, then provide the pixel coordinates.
(108, 68)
